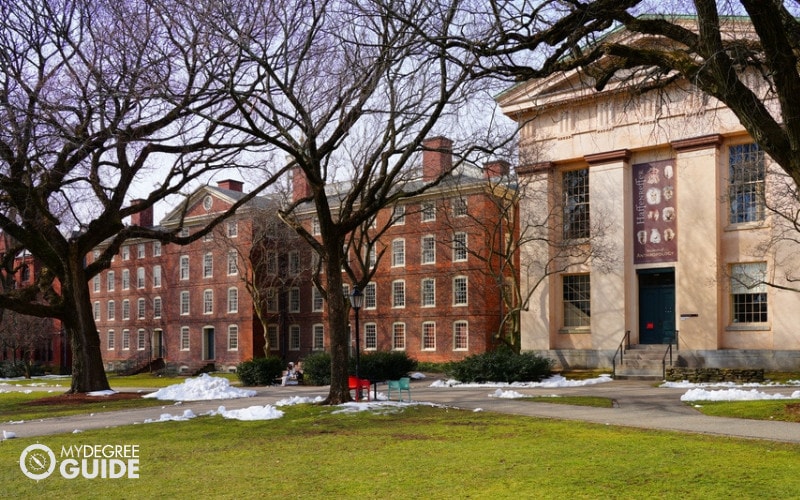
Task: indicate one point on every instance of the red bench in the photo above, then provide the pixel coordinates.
(357, 384)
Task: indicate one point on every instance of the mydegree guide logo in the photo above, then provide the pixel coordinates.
(117, 461)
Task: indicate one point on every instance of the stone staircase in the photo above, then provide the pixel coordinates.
(643, 362)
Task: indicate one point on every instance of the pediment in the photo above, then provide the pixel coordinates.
(205, 202)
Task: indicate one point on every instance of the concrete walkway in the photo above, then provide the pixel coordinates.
(637, 404)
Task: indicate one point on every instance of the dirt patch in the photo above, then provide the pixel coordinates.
(82, 398)
(793, 409)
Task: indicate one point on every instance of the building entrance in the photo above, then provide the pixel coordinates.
(656, 306)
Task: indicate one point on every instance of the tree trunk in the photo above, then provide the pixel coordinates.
(338, 312)
(88, 373)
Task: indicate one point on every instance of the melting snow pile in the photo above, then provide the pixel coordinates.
(551, 382)
(202, 388)
(733, 395)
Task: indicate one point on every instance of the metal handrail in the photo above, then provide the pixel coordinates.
(669, 353)
(664, 361)
(624, 344)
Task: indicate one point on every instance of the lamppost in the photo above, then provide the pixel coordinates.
(356, 299)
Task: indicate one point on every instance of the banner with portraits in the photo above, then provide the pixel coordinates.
(655, 211)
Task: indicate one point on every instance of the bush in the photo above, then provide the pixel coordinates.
(380, 366)
(259, 371)
(501, 365)
(317, 369)
(12, 369)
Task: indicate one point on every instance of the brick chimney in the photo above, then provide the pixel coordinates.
(300, 186)
(437, 157)
(231, 185)
(143, 218)
(497, 168)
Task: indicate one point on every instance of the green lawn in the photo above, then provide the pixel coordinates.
(419, 452)
(787, 410)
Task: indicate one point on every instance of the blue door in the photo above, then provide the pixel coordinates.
(657, 306)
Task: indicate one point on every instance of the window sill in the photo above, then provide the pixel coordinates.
(744, 226)
(577, 329)
(749, 327)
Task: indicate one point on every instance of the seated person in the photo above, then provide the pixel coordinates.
(292, 373)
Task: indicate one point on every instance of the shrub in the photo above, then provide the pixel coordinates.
(382, 365)
(501, 365)
(317, 369)
(12, 369)
(259, 371)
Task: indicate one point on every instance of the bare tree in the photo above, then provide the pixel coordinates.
(749, 64)
(99, 102)
(348, 90)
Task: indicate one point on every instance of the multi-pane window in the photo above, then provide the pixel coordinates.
(233, 229)
(126, 340)
(156, 276)
(233, 300)
(156, 249)
(272, 300)
(749, 293)
(96, 283)
(459, 247)
(233, 338)
(111, 340)
(208, 301)
(126, 309)
(746, 183)
(141, 340)
(110, 281)
(208, 265)
(140, 251)
(140, 309)
(184, 232)
(315, 229)
(111, 310)
(294, 300)
(317, 299)
(398, 252)
(370, 336)
(126, 252)
(429, 336)
(126, 279)
(184, 338)
(398, 293)
(577, 300)
(140, 277)
(184, 304)
(184, 267)
(370, 296)
(294, 262)
(272, 336)
(233, 262)
(575, 190)
(460, 291)
(428, 292)
(319, 337)
(157, 307)
(272, 262)
(399, 336)
(428, 250)
(459, 207)
(399, 215)
(96, 309)
(294, 337)
(372, 257)
(460, 336)
(428, 212)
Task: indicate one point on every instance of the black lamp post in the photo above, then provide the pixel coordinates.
(356, 299)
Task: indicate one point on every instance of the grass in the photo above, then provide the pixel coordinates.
(787, 410)
(417, 452)
(13, 406)
(593, 401)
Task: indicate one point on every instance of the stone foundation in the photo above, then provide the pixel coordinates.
(700, 375)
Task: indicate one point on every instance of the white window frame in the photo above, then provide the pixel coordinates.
(294, 337)
(157, 276)
(110, 340)
(460, 291)
(398, 252)
(208, 265)
(126, 279)
(185, 339)
(158, 306)
(184, 304)
(141, 308)
(318, 342)
(233, 338)
(458, 343)
(140, 278)
(428, 295)
(398, 294)
(126, 309)
(184, 267)
(399, 336)
(428, 249)
(428, 333)
(208, 301)
(370, 336)
(460, 247)
(371, 296)
(233, 300)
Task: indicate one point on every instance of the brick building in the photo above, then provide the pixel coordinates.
(190, 306)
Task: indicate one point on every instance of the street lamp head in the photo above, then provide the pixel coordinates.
(356, 298)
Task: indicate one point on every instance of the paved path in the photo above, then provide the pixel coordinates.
(637, 404)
